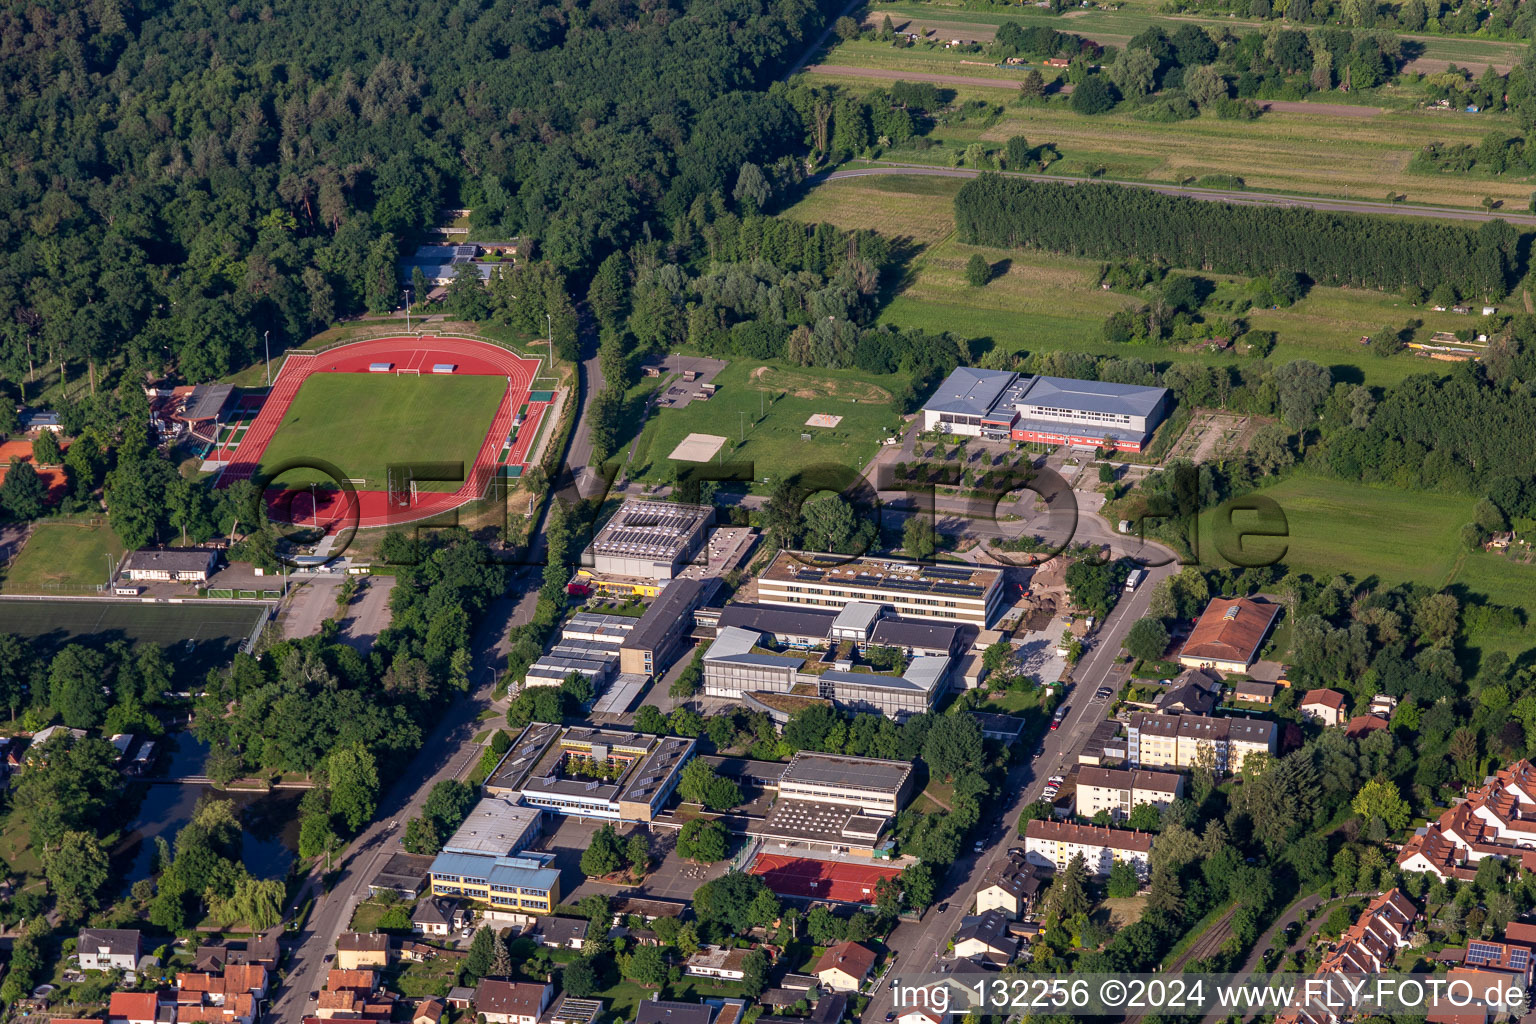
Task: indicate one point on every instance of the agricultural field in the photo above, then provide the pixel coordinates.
(63, 557)
(1038, 301)
(769, 406)
(1117, 27)
(197, 635)
(1337, 526)
(362, 422)
(1353, 145)
(1295, 150)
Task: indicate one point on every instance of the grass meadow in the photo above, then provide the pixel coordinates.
(63, 557)
(1392, 535)
(363, 422)
(1041, 301)
(768, 405)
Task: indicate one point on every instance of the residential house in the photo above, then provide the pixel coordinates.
(1326, 706)
(1364, 725)
(661, 1011)
(1120, 791)
(986, 936)
(1054, 843)
(342, 1003)
(512, 1002)
(362, 949)
(1188, 741)
(362, 982)
(844, 967)
(560, 932)
(925, 1006)
(133, 1008)
(109, 949)
(262, 950)
(1229, 634)
(1195, 691)
(432, 916)
(211, 959)
(1367, 947)
(1498, 819)
(717, 962)
(428, 1011)
(1252, 691)
(1012, 888)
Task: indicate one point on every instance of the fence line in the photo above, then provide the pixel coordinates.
(249, 647)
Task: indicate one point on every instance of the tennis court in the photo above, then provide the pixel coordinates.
(811, 879)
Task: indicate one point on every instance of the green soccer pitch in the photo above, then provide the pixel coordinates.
(362, 422)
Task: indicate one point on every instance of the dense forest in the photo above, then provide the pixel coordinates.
(184, 178)
(1113, 222)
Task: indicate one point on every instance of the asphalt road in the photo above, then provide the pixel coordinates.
(1240, 198)
(920, 945)
(579, 457)
(448, 753)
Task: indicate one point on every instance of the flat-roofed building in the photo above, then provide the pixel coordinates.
(649, 539)
(1120, 791)
(591, 773)
(1054, 844)
(876, 785)
(499, 826)
(1186, 741)
(1002, 405)
(736, 664)
(505, 883)
(786, 627)
(596, 628)
(957, 594)
(592, 661)
(659, 634)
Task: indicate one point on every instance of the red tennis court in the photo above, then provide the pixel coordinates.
(393, 355)
(808, 878)
(53, 476)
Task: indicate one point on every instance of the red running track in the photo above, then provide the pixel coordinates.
(373, 508)
(808, 878)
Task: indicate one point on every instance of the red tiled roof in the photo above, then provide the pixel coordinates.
(133, 1005)
(1230, 630)
(1327, 698)
(1089, 835)
(849, 957)
(1363, 725)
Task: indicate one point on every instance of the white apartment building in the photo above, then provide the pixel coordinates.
(1054, 844)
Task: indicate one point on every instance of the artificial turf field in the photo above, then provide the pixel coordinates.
(218, 629)
(362, 422)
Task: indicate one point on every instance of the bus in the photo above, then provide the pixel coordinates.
(1134, 579)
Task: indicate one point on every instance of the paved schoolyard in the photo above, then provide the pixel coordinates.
(671, 878)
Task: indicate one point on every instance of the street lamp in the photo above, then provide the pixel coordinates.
(267, 345)
(111, 566)
(407, 296)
